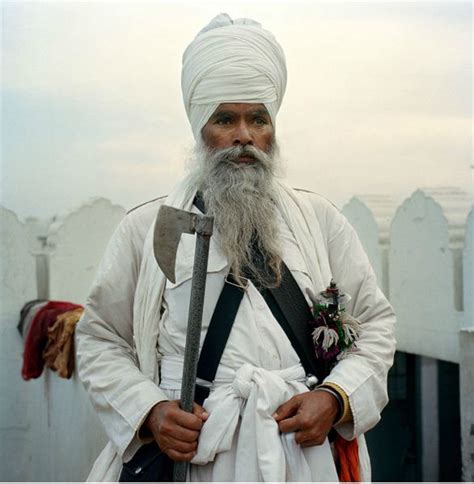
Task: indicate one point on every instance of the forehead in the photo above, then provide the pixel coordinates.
(241, 108)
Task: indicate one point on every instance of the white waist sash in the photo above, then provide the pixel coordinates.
(262, 453)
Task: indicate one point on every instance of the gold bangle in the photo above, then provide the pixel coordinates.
(346, 415)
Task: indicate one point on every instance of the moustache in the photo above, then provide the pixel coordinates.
(235, 154)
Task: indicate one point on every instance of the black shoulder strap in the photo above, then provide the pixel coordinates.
(290, 309)
(217, 335)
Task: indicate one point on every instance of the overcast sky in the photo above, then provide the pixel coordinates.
(378, 98)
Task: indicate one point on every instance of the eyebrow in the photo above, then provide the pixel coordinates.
(256, 112)
(223, 113)
(260, 112)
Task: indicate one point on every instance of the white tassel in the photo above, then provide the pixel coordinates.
(351, 328)
(317, 333)
(330, 337)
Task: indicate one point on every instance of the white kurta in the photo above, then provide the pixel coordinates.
(123, 395)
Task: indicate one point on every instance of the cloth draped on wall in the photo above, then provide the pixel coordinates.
(27, 314)
(49, 329)
(59, 352)
(329, 248)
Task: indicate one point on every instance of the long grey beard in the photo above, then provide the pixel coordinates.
(241, 198)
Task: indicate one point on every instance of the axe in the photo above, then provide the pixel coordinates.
(170, 224)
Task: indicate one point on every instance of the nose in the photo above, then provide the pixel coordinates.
(242, 135)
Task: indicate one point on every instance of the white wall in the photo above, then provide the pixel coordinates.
(76, 244)
(421, 280)
(18, 285)
(48, 427)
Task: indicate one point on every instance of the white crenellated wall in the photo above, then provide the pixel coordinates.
(48, 427)
(363, 220)
(421, 279)
(371, 217)
(18, 285)
(422, 252)
(76, 244)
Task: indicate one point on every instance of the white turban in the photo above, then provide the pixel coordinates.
(231, 61)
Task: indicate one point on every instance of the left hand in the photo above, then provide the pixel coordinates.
(310, 415)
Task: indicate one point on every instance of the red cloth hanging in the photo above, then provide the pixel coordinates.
(37, 336)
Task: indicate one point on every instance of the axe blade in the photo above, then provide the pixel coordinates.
(169, 225)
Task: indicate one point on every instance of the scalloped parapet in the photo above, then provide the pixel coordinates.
(383, 208)
(37, 230)
(18, 285)
(362, 219)
(422, 271)
(455, 204)
(77, 242)
(371, 216)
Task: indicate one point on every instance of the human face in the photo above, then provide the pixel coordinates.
(239, 124)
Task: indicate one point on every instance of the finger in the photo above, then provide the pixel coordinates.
(179, 446)
(286, 410)
(308, 438)
(180, 456)
(200, 411)
(291, 424)
(303, 436)
(312, 442)
(184, 434)
(187, 420)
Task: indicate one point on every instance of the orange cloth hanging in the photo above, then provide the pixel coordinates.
(59, 352)
(347, 459)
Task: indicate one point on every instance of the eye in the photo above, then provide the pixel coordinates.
(260, 121)
(223, 119)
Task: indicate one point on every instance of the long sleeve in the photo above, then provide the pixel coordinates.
(121, 395)
(362, 374)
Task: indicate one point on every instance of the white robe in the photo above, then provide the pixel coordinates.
(110, 349)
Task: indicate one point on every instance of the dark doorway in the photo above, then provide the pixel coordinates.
(394, 444)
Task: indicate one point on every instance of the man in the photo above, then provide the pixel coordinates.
(259, 422)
